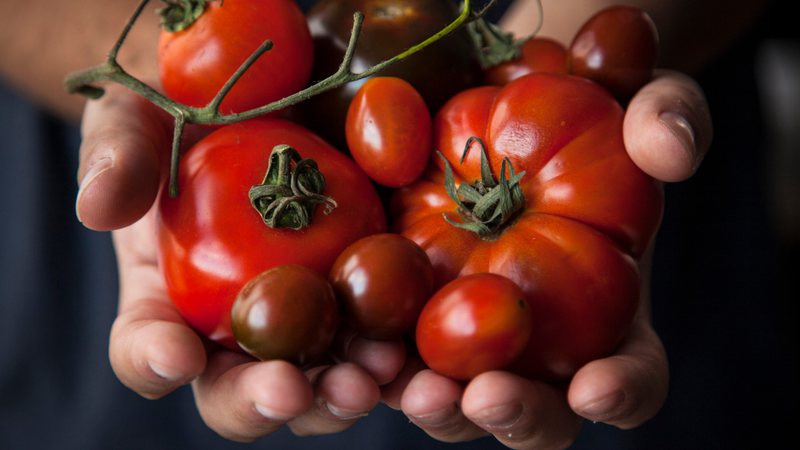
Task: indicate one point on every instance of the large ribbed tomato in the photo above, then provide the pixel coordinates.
(214, 237)
(559, 208)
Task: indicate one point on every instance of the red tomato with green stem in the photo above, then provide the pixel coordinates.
(195, 62)
(548, 197)
(474, 324)
(388, 130)
(288, 312)
(382, 282)
(212, 240)
(538, 54)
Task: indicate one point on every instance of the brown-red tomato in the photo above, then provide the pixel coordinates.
(288, 312)
(211, 239)
(388, 130)
(474, 324)
(382, 282)
(577, 213)
(196, 62)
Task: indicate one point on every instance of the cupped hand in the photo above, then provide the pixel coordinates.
(667, 131)
(124, 156)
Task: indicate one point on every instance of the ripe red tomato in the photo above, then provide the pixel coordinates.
(196, 62)
(287, 312)
(568, 232)
(474, 324)
(388, 131)
(539, 54)
(618, 48)
(211, 239)
(382, 282)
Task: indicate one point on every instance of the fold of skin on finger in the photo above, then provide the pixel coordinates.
(243, 400)
(432, 402)
(122, 156)
(344, 393)
(629, 387)
(392, 393)
(383, 360)
(520, 413)
(667, 127)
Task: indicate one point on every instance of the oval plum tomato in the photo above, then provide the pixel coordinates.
(548, 197)
(382, 282)
(538, 54)
(474, 324)
(388, 131)
(390, 27)
(196, 62)
(211, 239)
(287, 312)
(618, 48)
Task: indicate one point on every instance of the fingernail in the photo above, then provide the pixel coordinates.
(682, 130)
(164, 372)
(343, 414)
(271, 414)
(499, 418)
(603, 407)
(97, 168)
(434, 419)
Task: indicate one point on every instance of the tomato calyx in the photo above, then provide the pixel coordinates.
(178, 15)
(495, 46)
(291, 190)
(488, 204)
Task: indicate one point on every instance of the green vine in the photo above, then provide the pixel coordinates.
(85, 82)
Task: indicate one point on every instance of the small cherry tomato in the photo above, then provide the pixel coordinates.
(382, 282)
(288, 312)
(617, 48)
(474, 324)
(539, 54)
(388, 130)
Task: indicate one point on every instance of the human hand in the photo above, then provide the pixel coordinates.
(124, 157)
(667, 130)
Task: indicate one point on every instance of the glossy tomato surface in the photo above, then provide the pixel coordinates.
(539, 54)
(196, 62)
(474, 324)
(212, 241)
(388, 130)
(618, 48)
(587, 214)
(288, 312)
(382, 282)
(390, 27)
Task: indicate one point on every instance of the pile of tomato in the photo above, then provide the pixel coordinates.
(490, 217)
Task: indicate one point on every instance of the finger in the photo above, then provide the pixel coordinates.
(392, 393)
(432, 402)
(120, 162)
(383, 360)
(343, 393)
(520, 413)
(667, 127)
(626, 389)
(243, 400)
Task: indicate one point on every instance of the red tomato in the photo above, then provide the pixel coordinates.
(388, 131)
(474, 324)
(196, 62)
(211, 239)
(287, 312)
(618, 48)
(539, 54)
(575, 221)
(382, 281)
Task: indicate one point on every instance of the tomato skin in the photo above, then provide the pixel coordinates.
(390, 27)
(539, 54)
(589, 212)
(212, 241)
(196, 62)
(388, 130)
(474, 324)
(617, 48)
(288, 312)
(382, 282)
